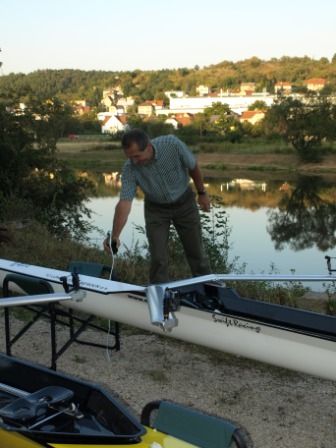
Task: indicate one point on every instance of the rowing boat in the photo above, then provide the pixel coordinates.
(204, 311)
(42, 408)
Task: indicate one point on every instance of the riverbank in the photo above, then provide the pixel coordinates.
(268, 166)
(93, 155)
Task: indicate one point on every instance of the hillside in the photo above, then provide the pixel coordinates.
(69, 84)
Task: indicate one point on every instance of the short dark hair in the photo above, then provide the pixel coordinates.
(137, 136)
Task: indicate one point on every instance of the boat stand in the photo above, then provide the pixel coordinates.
(55, 314)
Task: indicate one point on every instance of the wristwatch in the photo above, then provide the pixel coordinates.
(202, 192)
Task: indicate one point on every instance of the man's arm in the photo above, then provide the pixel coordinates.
(121, 213)
(202, 196)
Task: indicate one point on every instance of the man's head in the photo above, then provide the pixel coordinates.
(137, 146)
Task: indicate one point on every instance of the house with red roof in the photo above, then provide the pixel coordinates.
(252, 116)
(81, 110)
(113, 124)
(182, 119)
(315, 84)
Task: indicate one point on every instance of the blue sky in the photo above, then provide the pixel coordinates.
(156, 34)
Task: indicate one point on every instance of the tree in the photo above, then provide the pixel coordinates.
(217, 108)
(31, 174)
(17, 157)
(303, 123)
(51, 119)
(201, 122)
(223, 122)
(129, 89)
(304, 218)
(258, 105)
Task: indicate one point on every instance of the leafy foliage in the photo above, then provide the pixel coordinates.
(32, 178)
(304, 218)
(216, 233)
(154, 128)
(144, 85)
(303, 123)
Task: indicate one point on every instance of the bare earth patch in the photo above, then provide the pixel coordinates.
(277, 407)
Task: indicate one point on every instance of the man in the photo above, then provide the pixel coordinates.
(162, 168)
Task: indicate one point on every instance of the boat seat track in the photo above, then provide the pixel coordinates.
(31, 406)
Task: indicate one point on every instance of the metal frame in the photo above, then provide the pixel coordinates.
(43, 305)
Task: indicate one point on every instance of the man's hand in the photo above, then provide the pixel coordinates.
(115, 245)
(204, 202)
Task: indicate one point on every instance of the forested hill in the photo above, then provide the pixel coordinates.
(71, 84)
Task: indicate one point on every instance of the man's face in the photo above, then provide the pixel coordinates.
(139, 157)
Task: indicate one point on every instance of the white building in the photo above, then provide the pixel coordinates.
(195, 105)
(175, 94)
(113, 124)
(202, 90)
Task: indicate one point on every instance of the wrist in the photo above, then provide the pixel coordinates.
(201, 192)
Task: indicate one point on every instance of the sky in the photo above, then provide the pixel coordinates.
(119, 35)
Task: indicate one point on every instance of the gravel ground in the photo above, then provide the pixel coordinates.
(277, 407)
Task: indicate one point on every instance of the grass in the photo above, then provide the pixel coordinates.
(245, 147)
(79, 359)
(94, 155)
(158, 376)
(99, 154)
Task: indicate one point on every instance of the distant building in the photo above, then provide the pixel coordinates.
(102, 115)
(146, 108)
(112, 124)
(178, 120)
(158, 104)
(252, 116)
(82, 103)
(175, 94)
(247, 88)
(82, 110)
(126, 103)
(202, 90)
(283, 87)
(149, 107)
(194, 105)
(108, 102)
(315, 84)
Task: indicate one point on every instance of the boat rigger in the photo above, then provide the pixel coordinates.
(205, 311)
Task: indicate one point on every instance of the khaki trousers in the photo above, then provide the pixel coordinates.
(184, 215)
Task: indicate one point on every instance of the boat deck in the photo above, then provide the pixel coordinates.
(213, 298)
(60, 409)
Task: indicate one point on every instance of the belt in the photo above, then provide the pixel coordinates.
(184, 196)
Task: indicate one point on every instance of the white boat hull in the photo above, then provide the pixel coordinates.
(249, 338)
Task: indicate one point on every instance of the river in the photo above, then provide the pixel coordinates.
(276, 226)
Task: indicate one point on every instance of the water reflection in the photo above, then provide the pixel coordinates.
(244, 184)
(305, 217)
(113, 179)
(286, 226)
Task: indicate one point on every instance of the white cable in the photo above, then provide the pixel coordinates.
(110, 278)
(107, 341)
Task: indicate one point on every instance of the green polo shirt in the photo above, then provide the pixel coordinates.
(165, 178)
